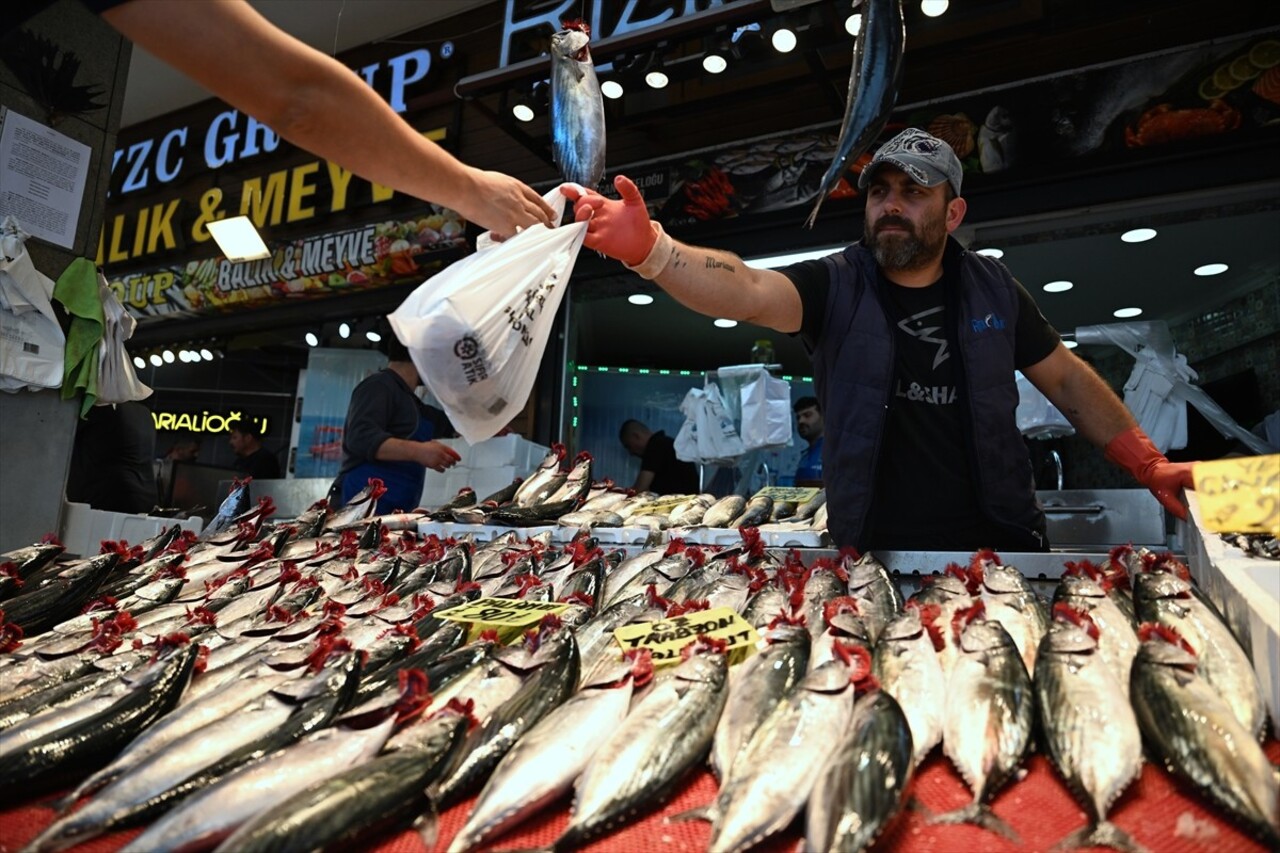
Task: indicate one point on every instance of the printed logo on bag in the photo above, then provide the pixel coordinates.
(521, 319)
(467, 348)
(473, 367)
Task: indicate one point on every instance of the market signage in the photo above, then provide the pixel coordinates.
(230, 137)
(204, 421)
(524, 15)
(1240, 495)
(666, 638)
(509, 617)
(361, 258)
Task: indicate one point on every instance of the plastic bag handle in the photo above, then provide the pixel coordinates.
(555, 198)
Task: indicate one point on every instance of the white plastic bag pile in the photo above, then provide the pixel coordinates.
(708, 435)
(32, 344)
(477, 331)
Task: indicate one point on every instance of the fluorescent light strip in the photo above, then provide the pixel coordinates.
(769, 262)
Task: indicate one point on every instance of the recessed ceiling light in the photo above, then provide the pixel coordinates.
(183, 356)
(373, 336)
(853, 24)
(1058, 287)
(934, 8)
(656, 79)
(784, 41)
(312, 340)
(714, 63)
(206, 355)
(139, 362)
(168, 356)
(344, 330)
(640, 299)
(1070, 344)
(1126, 313)
(1212, 269)
(726, 324)
(992, 252)
(156, 360)
(611, 89)
(1138, 235)
(522, 112)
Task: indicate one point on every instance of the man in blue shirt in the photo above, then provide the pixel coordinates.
(809, 425)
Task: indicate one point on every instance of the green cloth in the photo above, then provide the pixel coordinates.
(77, 290)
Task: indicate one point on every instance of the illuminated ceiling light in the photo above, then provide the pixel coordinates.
(1058, 287)
(656, 79)
(373, 336)
(1212, 269)
(611, 89)
(1126, 313)
(640, 299)
(238, 239)
(784, 41)
(139, 362)
(853, 25)
(183, 356)
(167, 355)
(344, 330)
(156, 360)
(714, 63)
(522, 112)
(312, 340)
(206, 355)
(725, 324)
(1138, 235)
(774, 261)
(934, 8)
(992, 252)
(1070, 344)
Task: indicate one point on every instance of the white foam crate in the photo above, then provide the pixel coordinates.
(507, 450)
(1247, 592)
(613, 535)
(85, 528)
(462, 448)
(481, 532)
(435, 491)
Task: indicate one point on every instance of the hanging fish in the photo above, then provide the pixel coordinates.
(577, 108)
(873, 88)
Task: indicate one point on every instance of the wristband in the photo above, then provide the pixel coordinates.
(658, 258)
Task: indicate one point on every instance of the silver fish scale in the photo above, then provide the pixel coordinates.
(1117, 641)
(909, 670)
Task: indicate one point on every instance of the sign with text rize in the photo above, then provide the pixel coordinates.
(361, 258)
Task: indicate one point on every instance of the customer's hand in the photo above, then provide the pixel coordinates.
(503, 205)
(436, 455)
(620, 229)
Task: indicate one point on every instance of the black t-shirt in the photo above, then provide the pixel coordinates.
(383, 406)
(111, 459)
(924, 492)
(261, 464)
(670, 475)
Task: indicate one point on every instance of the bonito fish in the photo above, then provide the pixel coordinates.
(907, 666)
(577, 108)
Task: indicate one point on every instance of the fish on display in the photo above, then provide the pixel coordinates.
(691, 512)
(577, 107)
(235, 504)
(1198, 736)
(1089, 728)
(39, 607)
(1168, 600)
(873, 89)
(576, 484)
(871, 585)
(1117, 640)
(361, 506)
(544, 481)
(1012, 602)
(907, 667)
(864, 782)
(807, 510)
(723, 512)
(640, 762)
(990, 706)
(543, 765)
(949, 592)
(756, 512)
(465, 497)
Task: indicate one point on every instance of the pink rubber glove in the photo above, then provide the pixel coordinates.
(1134, 452)
(619, 229)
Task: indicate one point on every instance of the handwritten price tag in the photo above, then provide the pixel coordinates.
(510, 617)
(796, 494)
(1240, 495)
(667, 637)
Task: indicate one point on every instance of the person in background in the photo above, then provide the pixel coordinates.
(915, 342)
(660, 470)
(809, 425)
(111, 460)
(391, 434)
(251, 457)
(313, 101)
(185, 448)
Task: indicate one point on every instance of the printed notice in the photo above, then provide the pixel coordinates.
(510, 617)
(1240, 495)
(667, 638)
(42, 178)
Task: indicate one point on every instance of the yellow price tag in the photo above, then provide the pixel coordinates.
(667, 637)
(662, 507)
(1240, 495)
(510, 617)
(795, 494)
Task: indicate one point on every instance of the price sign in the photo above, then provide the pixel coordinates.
(510, 617)
(1240, 495)
(662, 507)
(795, 494)
(667, 637)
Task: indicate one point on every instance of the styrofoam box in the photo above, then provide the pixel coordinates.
(435, 491)
(84, 528)
(462, 448)
(506, 450)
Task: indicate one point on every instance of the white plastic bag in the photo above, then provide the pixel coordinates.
(718, 440)
(1036, 416)
(686, 443)
(117, 382)
(477, 331)
(766, 412)
(32, 344)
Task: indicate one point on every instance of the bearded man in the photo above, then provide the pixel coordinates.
(915, 342)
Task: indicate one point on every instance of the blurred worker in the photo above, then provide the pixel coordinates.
(809, 425)
(660, 470)
(111, 459)
(251, 457)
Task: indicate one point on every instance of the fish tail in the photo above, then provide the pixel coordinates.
(1101, 834)
(981, 815)
(813, 214)
(428, 826)
(699, 813)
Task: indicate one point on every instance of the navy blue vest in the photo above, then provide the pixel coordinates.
(853, 376)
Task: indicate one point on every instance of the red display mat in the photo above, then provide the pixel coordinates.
(1160, 812)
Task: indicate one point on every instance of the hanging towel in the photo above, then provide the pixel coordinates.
(77, 290)
(117, 382)
(31, 340)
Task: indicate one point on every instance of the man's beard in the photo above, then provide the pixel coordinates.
(911, 250)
